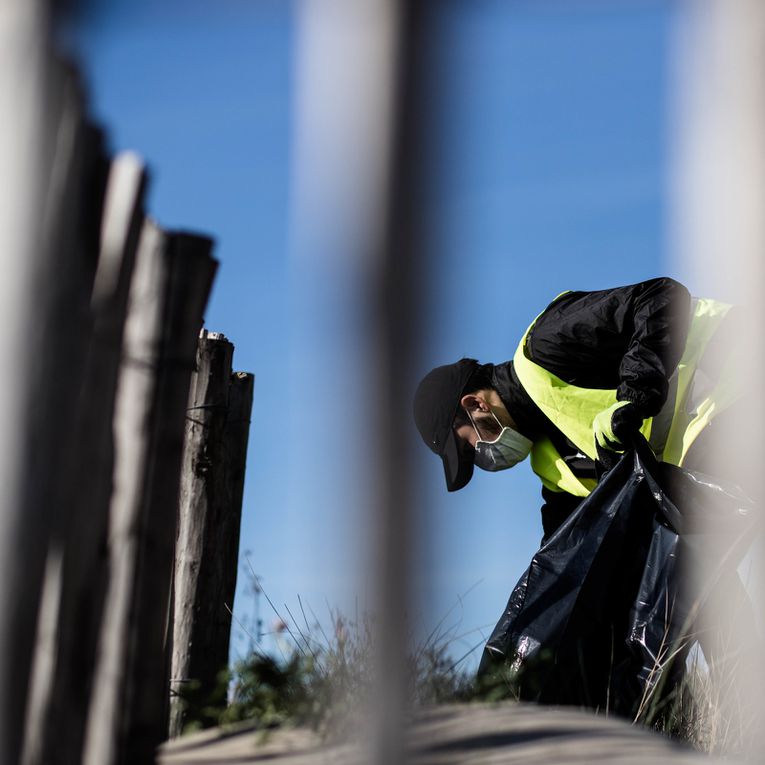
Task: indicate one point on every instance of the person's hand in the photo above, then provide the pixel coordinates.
(616, 427)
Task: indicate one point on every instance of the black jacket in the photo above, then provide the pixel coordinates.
(629, 338)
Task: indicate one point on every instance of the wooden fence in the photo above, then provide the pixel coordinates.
(118, 402)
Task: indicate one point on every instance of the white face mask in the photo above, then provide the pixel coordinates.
(507, 449)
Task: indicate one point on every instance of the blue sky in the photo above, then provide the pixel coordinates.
(548, 171)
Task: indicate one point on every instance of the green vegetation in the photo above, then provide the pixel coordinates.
(321, 680)
(322, 685)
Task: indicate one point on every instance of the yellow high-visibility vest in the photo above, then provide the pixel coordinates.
(694, 399)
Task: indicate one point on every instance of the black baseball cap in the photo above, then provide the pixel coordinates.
(436, 403)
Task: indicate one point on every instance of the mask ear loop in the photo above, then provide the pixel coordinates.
(472, 422)
(477, 432)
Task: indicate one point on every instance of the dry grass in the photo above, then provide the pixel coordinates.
(707, 711)
(711, 707)
(323, 673)
(323, 676)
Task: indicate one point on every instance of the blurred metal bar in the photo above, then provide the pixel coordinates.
(399, 292)
(719, 236)
(357, 126)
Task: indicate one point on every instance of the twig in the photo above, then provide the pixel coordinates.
(270, 603)
(464, 656)
(246, 631)
(305, 639)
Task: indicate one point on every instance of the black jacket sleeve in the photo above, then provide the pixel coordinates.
(629, 338)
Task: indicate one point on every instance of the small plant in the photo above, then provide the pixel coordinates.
(273, 692)
(324, 676)
(323, 680)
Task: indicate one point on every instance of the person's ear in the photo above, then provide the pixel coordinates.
(474, 403)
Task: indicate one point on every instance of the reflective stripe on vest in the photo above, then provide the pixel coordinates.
(693, 401)
(555, 474)
(701, 387)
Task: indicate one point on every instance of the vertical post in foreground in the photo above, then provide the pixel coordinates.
(172, 280)
(719, 221)
(356, 188)
(41, 297)
(22, 528)
(396, 293)
(210, 508)
(57, 721)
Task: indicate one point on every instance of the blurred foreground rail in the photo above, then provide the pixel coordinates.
(471, 734)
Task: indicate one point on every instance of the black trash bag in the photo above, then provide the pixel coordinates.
(603, 616)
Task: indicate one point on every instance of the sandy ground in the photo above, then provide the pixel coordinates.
(478, 734)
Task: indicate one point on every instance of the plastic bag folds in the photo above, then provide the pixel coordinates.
(604, 615)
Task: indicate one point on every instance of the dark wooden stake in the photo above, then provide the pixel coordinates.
(212, 482)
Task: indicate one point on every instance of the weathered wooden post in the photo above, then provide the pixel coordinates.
(212, 482)
(190, 272)
(127, 718)
(48, 159)
(63, 675)
(70, 223)
(23, 532)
